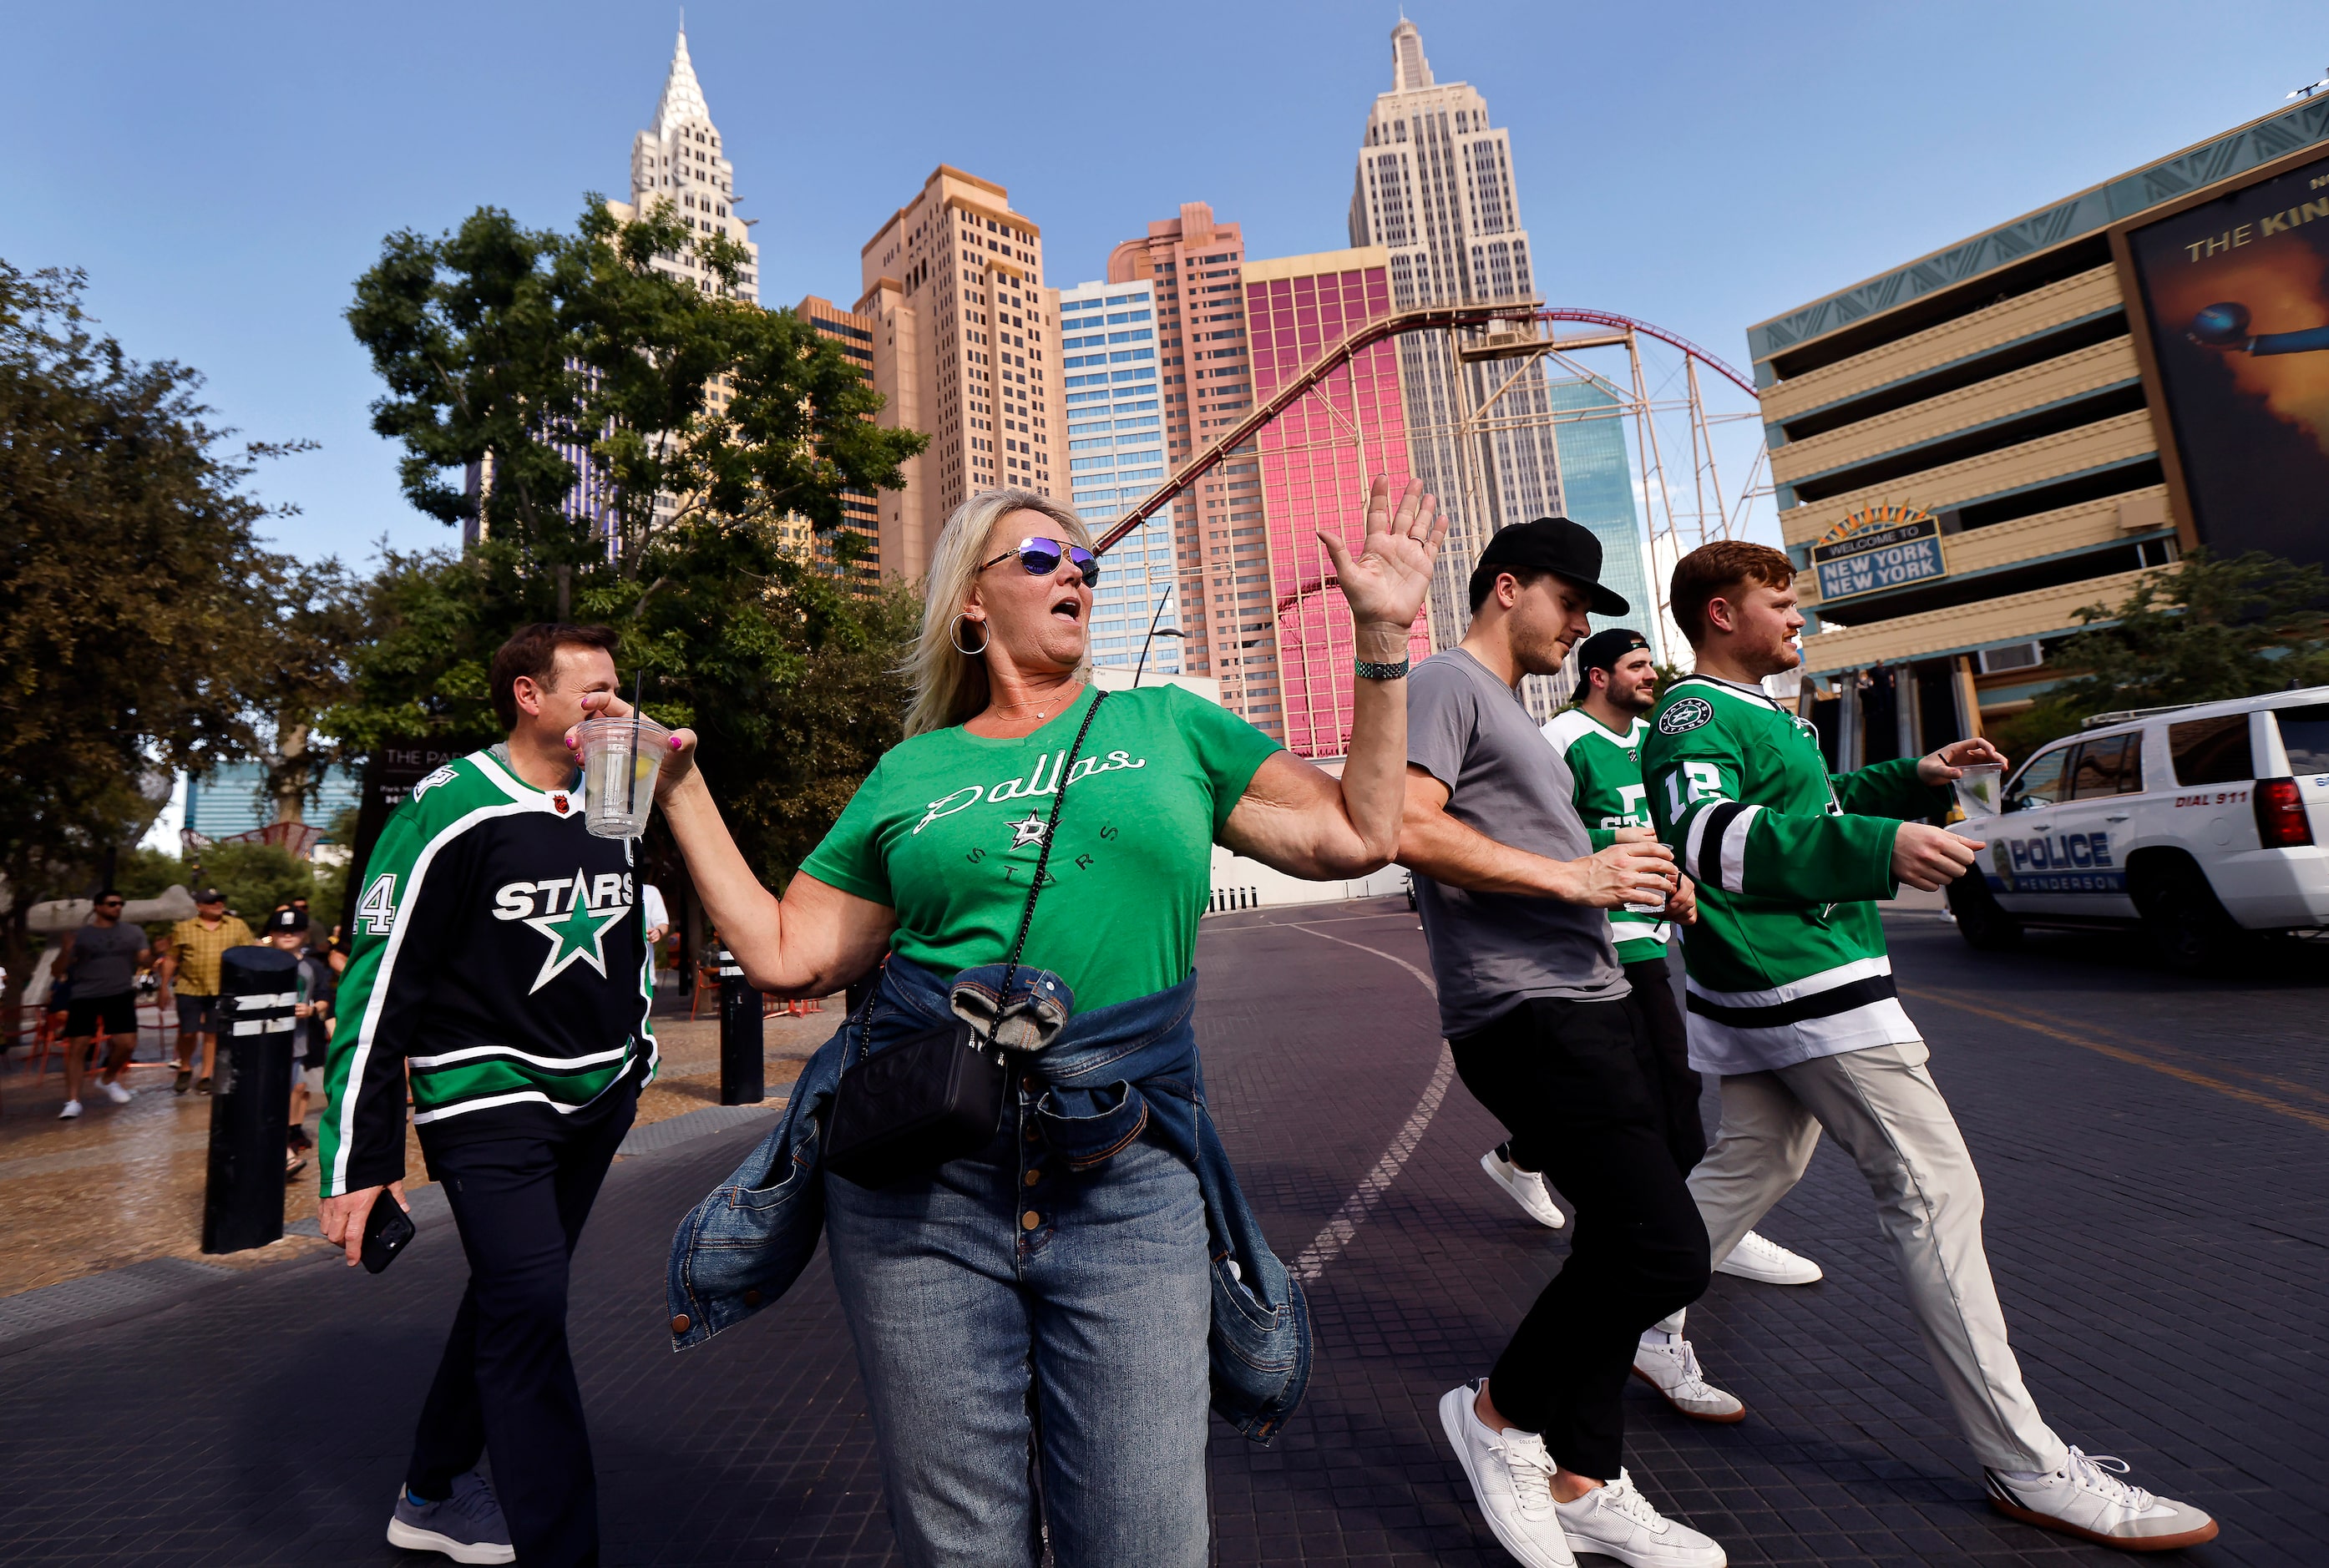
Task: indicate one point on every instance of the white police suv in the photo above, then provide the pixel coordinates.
(2201, 823)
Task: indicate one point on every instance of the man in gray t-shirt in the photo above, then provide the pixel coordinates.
(1492, 950)
(102, 959)
(1548, 1037)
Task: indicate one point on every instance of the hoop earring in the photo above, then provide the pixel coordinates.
(985, 636)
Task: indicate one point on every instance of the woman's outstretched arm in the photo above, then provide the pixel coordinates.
(813, 941)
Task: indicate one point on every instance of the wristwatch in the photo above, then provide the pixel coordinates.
(1367, 671)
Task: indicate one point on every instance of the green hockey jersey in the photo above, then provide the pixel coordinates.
(499, 957)
(1605, 772)
(1787, 961)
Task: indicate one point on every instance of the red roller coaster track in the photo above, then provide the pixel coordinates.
(1428, 318)
(1627, 324)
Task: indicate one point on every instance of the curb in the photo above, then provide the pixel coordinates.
(95, 1300)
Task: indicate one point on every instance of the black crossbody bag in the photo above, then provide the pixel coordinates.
(938, 1094)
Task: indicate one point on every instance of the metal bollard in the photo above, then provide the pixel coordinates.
(251, 1108)
(743, 1075)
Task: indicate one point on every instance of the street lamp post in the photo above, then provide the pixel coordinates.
(1155, 632)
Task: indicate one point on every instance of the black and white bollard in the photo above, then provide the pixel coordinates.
(251, 1105)
(743, 1074)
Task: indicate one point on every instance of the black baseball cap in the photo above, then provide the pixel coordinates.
(210, 895)
(1552, 544)
(286, 919)
(1602, 649)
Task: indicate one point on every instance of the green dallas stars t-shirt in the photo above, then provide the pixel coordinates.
(1605, 769)
(947, 828)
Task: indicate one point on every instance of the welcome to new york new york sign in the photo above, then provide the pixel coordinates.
(1877, 548)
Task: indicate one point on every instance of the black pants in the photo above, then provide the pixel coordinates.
(1581, 1088)
(507, 1382)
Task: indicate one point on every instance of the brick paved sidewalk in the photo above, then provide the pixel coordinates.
(2160, 1243)
(123, 1184)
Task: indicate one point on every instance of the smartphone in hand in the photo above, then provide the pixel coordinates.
(387, 1230)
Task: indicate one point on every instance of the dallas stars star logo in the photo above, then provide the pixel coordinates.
(575, 934)
(1030, 832)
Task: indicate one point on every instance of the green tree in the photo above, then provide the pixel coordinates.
(255, 878)
(707, 422)
(792, 681)
(507, 349)
(135, 623)
(2208, 631)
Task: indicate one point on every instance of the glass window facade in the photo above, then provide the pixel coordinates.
(1316, 461)
(1107, 348)
(1597, 487)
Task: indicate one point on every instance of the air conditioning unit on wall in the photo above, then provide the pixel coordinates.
(2011, 656)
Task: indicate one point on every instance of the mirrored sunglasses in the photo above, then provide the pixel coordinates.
(1040, 557)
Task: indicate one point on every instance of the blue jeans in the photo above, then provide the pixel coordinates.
(1005, 1264)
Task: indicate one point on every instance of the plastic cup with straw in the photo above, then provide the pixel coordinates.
(620, 759)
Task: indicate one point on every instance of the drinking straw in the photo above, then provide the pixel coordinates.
(631, 788)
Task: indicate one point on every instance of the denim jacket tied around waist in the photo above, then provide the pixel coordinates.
(1111, 1074)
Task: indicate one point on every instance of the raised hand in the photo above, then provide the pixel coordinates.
(1385, 582)
(676, 766)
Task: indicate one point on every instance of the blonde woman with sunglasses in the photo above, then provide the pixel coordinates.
(1079, 1283)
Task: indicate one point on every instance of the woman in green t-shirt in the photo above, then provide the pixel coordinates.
(1094, 1271)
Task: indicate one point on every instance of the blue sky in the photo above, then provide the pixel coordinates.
(224, 172)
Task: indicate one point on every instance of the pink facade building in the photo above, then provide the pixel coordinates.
(1317, 459)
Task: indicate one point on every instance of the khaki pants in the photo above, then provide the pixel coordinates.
(1883, 1107)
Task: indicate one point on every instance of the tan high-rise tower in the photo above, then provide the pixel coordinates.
(967, 348)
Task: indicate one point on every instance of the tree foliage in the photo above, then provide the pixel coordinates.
(792, 681)
(2210, 631)
(142, 624)
(255, 878)
(519, 351)
(696, 425)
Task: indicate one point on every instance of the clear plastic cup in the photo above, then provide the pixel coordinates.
(620, 758)
(1978, 788)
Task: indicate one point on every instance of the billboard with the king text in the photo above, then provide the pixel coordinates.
(2236, 293)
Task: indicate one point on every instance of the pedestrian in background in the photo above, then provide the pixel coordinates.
(101, 960)
(1792, 1001)
(311, 1031)
(189, 969)
(1072, 1257)
(502, 957)
(1547, 1036)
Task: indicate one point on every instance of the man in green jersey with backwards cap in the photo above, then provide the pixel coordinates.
(1791, 999)
(1600, 738)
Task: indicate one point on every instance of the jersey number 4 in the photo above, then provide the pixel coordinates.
(378, 909)
(1705, 784)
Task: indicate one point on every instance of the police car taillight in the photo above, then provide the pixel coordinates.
(2281, 821)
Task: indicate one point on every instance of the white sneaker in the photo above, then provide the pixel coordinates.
(1527, 1187)
(1618, 1522)
(72, 1109)
(1511, 1480)
(120, 1094)
(1767, 1262)
(1671, 1366)
(2084, 1499)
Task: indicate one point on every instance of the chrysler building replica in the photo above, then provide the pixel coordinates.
(1435, 188)
(678, 160)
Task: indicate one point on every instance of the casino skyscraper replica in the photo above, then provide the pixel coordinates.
(679, 159)
(1435, 189)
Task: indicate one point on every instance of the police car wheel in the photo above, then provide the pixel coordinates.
(2184, 919)
(1981, 921)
